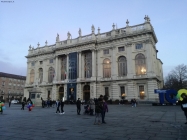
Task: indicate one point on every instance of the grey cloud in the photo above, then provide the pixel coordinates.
(12, 69)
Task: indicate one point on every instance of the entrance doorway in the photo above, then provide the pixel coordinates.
(61, 93)
(86, 93)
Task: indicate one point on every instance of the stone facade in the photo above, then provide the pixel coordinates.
(120, 63)
(12, 86)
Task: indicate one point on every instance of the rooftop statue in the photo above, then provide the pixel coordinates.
(80, 33)
(57, 38)
(69, 35)
(93, 29)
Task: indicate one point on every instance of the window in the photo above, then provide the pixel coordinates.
(88, 65)
(122, 66)
(106, 51)
(3, 83)
(141, 92)
(139, 46)
(64, 68)
(32, 63)
(41, 62)
(106, 68)
(31, 77)
(50, 60)
(122, 90)
(33, 96)
(120, 49)
(38, 95)
(107, 91)
(40, 75)
(51, 74)
(140, 64)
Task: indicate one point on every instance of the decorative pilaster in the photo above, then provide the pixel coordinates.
(80, 64)
(67, 67)
(56, 68)
(93, 63)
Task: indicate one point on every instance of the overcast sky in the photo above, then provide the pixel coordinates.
(27, 22)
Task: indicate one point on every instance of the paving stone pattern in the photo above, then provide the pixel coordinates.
(145, 122)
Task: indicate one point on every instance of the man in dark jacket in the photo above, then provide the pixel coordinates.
(184, 104)
(78, 106)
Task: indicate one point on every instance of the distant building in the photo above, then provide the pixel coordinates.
(121, 63)
(11, 86)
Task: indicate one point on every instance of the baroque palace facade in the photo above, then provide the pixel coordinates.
(120, 63)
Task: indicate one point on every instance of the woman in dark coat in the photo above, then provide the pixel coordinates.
(183, 104)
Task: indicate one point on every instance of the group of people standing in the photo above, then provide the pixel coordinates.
(97, 106)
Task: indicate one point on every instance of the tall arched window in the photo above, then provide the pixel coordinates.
(106, 68)
(140, 64)
(40, 75)
(51, 74)
(122, 66)
(63, 68)
(88, 65)
(32, 76)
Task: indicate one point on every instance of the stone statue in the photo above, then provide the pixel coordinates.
(93, 29)
(57, 38)
(30, 47)
(69, 35)
(46, 43)
(80, 33)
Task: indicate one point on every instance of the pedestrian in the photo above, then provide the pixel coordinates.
(98, 109)
(62, 106)
(58, 106)
(9, 102)
(23, 103)
(135, 102)
(92, 106)
(104, 110)
(132, 102)
(183, 104)
(78, 106)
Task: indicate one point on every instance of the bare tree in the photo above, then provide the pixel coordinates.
(177, 78)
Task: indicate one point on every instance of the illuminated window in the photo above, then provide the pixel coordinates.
(142, 92)
(106, 68)
(140, 64)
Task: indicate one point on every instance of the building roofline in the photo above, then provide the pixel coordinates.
(2, 74)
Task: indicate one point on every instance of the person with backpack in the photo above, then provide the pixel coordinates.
(58, 106)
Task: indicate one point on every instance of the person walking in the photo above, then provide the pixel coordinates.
(9, 101)
(62, 106)
(78, 106)
(58, 106)
(104, 110)
(183, 104)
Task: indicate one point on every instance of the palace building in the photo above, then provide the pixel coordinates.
(119, 63)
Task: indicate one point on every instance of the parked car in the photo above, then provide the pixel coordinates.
(14, 101)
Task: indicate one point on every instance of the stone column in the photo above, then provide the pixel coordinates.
(67, 67)
(93, 63)
(56, 68)
(80, 64)
(114, 67)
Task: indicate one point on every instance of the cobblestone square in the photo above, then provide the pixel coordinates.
(144, 122)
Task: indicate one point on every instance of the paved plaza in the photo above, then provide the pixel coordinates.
(144, 122)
